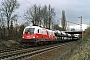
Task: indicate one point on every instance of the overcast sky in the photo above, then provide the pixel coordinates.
(73, 8)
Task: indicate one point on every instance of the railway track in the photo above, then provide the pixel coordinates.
(13, 48)
(29, 52)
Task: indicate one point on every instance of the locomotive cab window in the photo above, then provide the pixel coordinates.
(29, 30)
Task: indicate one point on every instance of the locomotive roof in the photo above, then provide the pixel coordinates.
(32, 27)
(37, 27)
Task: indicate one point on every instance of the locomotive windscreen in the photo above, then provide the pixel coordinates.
(29, 30)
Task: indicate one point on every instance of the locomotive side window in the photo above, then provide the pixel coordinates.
(44, 31)
(38, 30)
(29, 30)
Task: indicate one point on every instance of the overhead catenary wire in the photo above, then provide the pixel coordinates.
(73, 23)
(38, 2)
(31, 4)
(28, 2)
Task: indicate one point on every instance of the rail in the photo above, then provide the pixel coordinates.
(28, 53)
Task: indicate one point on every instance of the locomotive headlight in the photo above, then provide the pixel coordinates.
(23, 37)
(33, 36)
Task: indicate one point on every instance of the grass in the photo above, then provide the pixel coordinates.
(83, 51)
(88, 40)
(8, 43)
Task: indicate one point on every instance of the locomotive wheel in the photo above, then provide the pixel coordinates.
(36, 44)
(51, 42)
(41, 43)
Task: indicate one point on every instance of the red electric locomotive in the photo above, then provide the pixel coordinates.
(34, 35)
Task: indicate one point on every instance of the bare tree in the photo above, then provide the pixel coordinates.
(72, 29)
(63, 20)
(8, 9)
(2, 21)
(33, 14)
(44, 15)
(40, 15)
(51, 15)
(2, 24)
(48, 14)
